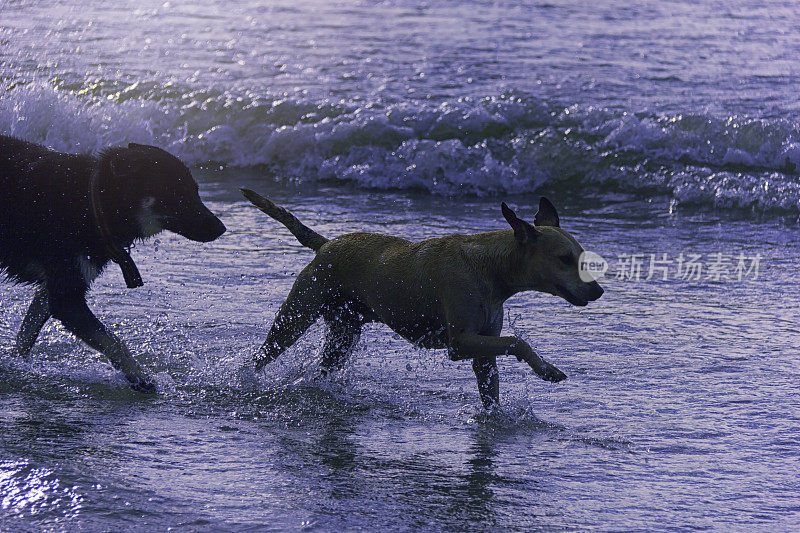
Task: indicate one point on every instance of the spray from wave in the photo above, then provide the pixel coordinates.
(507, 144)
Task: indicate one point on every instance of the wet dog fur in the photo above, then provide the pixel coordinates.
(446, 292)
(50, 238)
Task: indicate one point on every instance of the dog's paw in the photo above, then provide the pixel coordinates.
(551, 373)
(543, 369)
(262, 358)
(261, 362)
(142, 384)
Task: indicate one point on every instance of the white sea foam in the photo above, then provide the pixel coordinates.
(505, 144)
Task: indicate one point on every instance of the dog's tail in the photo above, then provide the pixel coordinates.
(306, 236)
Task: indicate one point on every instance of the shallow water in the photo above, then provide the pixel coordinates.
(656, 128)
(679, 412)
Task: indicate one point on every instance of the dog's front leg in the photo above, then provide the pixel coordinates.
(465, 345)
(75, 315)
(38, 313)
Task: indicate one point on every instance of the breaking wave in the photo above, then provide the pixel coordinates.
(507, 144)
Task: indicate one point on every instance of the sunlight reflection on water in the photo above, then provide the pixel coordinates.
(27, 490)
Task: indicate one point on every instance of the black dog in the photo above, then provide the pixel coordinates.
(63, 217)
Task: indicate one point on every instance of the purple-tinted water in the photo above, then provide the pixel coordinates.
(655, 128)
(696, 100)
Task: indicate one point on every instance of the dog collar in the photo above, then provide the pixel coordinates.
(118, 254)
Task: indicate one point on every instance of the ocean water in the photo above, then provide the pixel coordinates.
(664, 132)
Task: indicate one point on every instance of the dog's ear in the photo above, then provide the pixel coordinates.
(523, 231)
(547, 215)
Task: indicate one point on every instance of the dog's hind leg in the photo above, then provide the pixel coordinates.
(301, 309)
(70, 308)
(35, 318)
(485, 369)
(344, 331)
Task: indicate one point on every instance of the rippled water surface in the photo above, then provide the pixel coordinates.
(693, 99)
(680, 407)
(655, 128)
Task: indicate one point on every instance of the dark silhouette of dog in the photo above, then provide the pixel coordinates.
(64, 217)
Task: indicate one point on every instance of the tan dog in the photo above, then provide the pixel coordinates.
(439, 293)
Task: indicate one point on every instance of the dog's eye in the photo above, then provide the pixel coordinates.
(566, 259)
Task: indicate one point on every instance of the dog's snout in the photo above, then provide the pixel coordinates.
(198, 224)
(597, 291)
(219, 228)
(211, 229)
